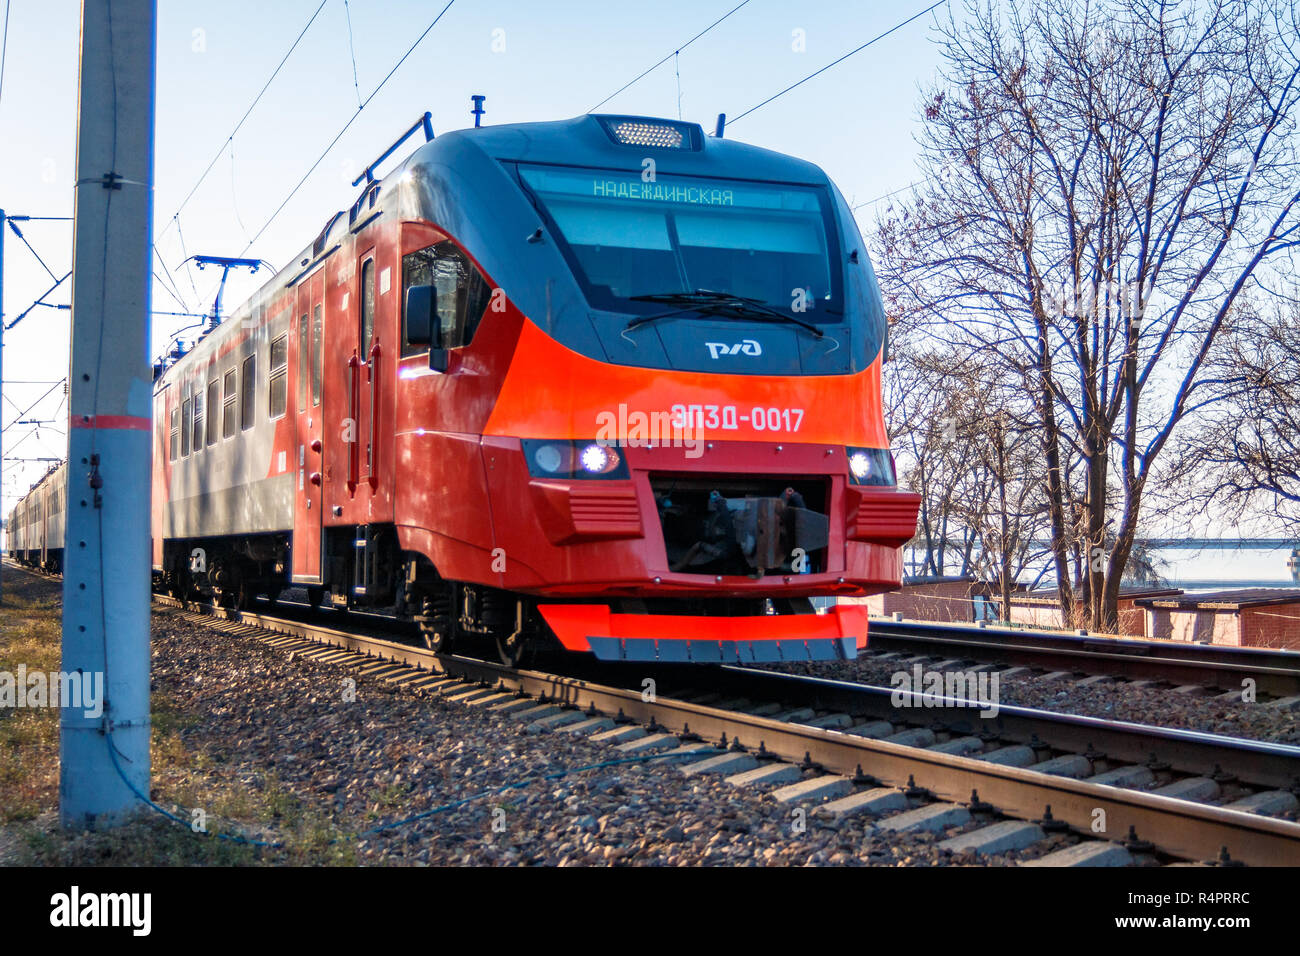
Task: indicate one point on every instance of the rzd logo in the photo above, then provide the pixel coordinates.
(747, 347)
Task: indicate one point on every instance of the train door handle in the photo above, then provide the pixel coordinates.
(374, 403)
(354, 401)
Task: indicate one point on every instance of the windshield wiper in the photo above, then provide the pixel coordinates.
(708, 302)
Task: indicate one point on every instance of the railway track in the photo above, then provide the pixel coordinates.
(1276, 673)
(837, 748)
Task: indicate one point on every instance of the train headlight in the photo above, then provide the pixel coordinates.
(595, 459)
(549, 457)
(871, 466)
(567, 459)
(663, 134)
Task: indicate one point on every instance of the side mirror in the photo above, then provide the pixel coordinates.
(422, 324)
(420, 301)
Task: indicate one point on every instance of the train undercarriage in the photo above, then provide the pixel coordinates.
(364, 569)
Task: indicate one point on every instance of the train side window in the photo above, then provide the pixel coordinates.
(462, 293)
(187, 423)
(175, 434)
(279, 390)
(197, 442)
(367, 308)
(462, 296)
(247, 392)
(303, 345)
(317, 356)
(417, 269)
(229, 408)
(214, 403)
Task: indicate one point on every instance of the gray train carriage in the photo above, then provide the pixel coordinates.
(36, 524)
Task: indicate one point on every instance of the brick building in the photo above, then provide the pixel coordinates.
(1248, 617)
(949, 599)
(1042, 608)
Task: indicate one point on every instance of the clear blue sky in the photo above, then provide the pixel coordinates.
(559, 59)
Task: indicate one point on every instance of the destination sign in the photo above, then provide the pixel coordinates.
(662, 192)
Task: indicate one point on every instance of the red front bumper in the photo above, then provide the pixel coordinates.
(583, 538)
(836, 635)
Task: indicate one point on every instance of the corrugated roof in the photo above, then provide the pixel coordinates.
(1228, 600)
(1049, 595)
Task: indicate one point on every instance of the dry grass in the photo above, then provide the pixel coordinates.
(29, 738)
(183, 777)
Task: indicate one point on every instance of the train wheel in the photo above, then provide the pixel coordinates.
(513, 650)
(515, 647)
(238, 598)
(435, 622)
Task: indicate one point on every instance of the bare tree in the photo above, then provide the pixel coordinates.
(969, 450)
(935, 457)
(1104, 182)
(1245, 461)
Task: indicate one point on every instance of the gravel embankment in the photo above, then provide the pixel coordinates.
(392, 753)
(269, 748)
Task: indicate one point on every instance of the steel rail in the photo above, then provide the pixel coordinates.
(1275, 672)
(1258, 763)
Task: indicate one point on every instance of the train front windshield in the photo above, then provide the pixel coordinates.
(626, 237)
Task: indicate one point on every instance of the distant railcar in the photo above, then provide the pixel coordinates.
(605, 382)
(35, 527)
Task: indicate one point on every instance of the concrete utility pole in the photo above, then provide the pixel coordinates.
(106, 550)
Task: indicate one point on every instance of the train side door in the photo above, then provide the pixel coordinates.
(309, 341)
(364, 381)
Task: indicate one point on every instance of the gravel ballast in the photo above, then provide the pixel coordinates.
(393, 753)
(286, 749)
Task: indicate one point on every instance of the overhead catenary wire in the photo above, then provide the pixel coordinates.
(13, 227)
(352, 51)
(228, 143)
(40, 301)
(888, 195)
(189, 273)
(833, 63)
(169, 283)
(27, 410)
(4, 51)
(639, 77)
(234, 196)
(251, 106)
(183, 305)
(346, 126)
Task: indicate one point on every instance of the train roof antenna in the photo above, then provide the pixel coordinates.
(722, 125)
(478, 110)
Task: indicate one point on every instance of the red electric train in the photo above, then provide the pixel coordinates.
(605, 382)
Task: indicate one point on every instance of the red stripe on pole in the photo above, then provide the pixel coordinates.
(105, 422)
